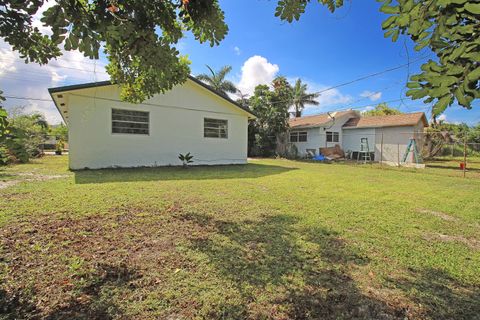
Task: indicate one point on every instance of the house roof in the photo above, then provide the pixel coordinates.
(398, 120)
(317, 120)
(108, 83)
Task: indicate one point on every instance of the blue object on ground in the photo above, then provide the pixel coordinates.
(320, 157)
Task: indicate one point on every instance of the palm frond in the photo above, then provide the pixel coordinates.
(222, 73)
(205, 78)
(228, 86)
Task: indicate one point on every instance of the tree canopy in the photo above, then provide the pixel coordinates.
(139, 38)
(271, 108)
(450, 28)
(382, 110)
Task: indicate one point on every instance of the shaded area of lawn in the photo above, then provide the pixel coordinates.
(248, 171)
(271, 240)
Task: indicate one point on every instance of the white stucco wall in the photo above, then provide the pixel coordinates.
(351, 139)
(176, 126)
(317, 137)
(395, 143)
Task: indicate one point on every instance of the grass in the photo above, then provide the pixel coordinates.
(274, 239)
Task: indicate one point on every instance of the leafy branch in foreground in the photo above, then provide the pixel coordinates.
(450, 28)
(139, 36)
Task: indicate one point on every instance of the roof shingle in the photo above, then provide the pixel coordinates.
(399, 120)
(315, 120)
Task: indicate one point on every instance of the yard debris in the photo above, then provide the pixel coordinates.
(333, 153)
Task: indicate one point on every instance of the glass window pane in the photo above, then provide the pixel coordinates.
(215, 128)
(130, 121)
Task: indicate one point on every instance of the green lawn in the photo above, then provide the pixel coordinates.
(274, 239)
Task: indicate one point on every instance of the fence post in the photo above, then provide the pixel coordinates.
(398, 153)
(453, 145)
(464, 156)
(381, 152)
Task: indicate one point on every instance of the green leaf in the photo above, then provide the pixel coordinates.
(389, 9)
(441, 105)
(473, 7)
(474, 75)
(387, 23)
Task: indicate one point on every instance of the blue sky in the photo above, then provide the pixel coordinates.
(323, 49)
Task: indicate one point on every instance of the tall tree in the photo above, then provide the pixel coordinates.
(382, 110)
(271, 109)
(300, 97)
(216, 80)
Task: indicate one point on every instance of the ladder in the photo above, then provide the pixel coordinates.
(412, 147)
(364, 153)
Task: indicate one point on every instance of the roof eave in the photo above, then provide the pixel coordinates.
(108, 82)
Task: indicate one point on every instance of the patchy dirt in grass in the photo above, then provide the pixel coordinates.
(64, 266)
(471, 243)
(170, 262)
(438, 214)
(29, 177)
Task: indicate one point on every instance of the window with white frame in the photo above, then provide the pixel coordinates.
(130, 121)
(298, 136)
(215, 128)
(333, 136)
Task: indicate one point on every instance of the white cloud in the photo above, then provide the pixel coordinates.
(32, 80)
(237, 50)
(373, 96)
(442, 117)
(368, 108)
(256, 70)
(57, 78)
(7, 61)
(327, 99)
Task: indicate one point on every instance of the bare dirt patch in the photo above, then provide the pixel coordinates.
(471, 243)
(29, 177)
(438, 214)
(68, 268)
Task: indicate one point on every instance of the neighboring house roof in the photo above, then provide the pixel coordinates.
(318, 120)
(108, 83)
(399, 120)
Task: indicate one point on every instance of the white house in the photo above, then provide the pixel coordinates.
(105, 132)
(388, 137)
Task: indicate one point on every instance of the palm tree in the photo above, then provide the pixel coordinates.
(217, 80)
(301, 97)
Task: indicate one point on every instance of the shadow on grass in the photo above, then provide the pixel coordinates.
(450, 167)
(178, 173)
(441, 296)
(93, 300)
(281, 277)
(284, 271)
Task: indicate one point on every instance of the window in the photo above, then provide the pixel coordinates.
(333, 136)
(298, 136)
(130, 122)
(215, 128)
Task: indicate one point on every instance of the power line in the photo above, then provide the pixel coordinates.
(361, 78)
(28, 98)
(169, 106)
(62, 67)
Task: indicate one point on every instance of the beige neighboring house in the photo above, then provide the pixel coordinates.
(105, 132)
(388, 136)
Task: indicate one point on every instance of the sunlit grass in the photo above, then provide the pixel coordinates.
(274, 239)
